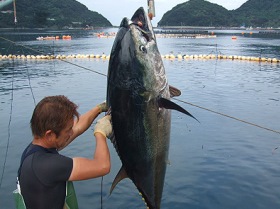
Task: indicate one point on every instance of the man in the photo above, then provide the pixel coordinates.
(44, 172)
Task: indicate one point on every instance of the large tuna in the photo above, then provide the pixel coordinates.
(139, 96)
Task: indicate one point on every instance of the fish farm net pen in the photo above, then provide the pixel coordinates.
(88, 69)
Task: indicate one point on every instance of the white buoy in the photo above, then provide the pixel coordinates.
(179, 56)
(172, 56)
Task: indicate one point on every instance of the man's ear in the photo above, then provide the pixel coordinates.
(50, 135)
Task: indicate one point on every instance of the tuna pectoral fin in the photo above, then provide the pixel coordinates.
(165, 103)
(120, 176)
(174, 92)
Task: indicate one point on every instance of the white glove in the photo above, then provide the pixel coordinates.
(103, 107)
(104, 126)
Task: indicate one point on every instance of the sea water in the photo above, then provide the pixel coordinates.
(227, 160)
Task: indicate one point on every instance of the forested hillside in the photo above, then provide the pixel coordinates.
(51, 13)
(253, 13)
(258, 13)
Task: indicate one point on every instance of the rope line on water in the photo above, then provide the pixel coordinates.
(9, 130)
(85, 68)
(101, 193)
(62, 60)
(15, 43)
(228, 116)
(31, 89)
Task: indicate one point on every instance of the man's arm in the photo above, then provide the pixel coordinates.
(100, 165)
(85, 120)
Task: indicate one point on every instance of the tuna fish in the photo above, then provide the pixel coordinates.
(139, 96)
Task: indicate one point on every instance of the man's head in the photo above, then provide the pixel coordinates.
(52, 113)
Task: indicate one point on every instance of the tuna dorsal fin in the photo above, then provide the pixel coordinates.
(174, 92)
(120, 176)
(165, 103)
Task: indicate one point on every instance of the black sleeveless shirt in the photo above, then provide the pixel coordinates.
(43, 177)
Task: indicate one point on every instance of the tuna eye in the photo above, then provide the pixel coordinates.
(140, 24)
(143, 49)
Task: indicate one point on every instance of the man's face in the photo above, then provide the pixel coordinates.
(65, 134)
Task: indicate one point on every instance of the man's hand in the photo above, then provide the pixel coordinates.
(103, 107)
(103, 126)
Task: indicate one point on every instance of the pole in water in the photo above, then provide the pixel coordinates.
(15, 12)
(151, 9)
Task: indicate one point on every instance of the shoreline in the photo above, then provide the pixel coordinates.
(158, 27)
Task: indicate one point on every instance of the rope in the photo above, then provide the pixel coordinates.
(13, 42)
(27, 47)
(31, 89)
(228, 116)
(101, 192)
(9, 129)
(94, 71)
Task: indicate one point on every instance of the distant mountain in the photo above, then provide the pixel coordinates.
(258, 13)
(51, 14)
(196, 13)
(255, 13)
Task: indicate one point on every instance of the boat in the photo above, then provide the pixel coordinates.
(105, 34)
(40, 38)
(175, 35)
(66, 37)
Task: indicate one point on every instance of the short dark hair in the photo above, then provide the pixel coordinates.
(52, 113)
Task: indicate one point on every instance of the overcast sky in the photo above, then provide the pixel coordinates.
(115, 10)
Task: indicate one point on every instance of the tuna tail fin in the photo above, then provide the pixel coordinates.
(165, 103)
(174, 92)
(120, 176)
